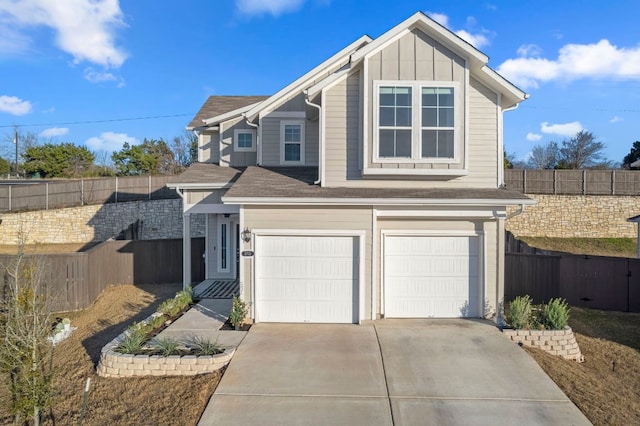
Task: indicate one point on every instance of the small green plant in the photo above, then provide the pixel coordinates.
(239, 311)
(519, 315)
(169, 308)
(132, 343)
(166, 346)
(203, 346)
(555, 314)
(157, 321)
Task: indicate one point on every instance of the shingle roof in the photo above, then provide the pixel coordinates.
(297, 182)
(217, 105)
(206, 173)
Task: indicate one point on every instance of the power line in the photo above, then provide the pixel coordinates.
(153, 117)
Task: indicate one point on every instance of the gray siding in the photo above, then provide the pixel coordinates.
(295, 103)
(229, 157)
(271, 140)
(205, 197)
(209, 150)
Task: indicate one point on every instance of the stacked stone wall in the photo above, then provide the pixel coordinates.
(576, 216)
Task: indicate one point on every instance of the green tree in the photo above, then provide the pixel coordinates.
(150, 157)
(633, 155)
(5, 167)
(58, 160)
(581, 151)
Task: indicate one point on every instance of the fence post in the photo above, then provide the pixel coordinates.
(555, 189)
(116, 189)
(613, 182)
(524, 181)
(9, 197)
(149, 187)
(82, 192)
(46, 196)
(584, 182)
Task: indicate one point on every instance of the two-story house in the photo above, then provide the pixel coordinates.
(370, 187)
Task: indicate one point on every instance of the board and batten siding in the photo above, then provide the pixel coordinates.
(302, 218)
(417, 57)
(228, 156)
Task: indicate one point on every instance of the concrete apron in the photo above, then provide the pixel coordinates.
(396, 372)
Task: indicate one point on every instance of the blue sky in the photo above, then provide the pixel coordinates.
(91, 71)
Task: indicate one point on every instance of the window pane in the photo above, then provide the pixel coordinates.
(403, 143)
(387, 116)
(429, 146)
(387, 99)
(291, 152)
(386, 142)
(403, 117)
(429, 97)
(245, 140)
(445, 96)
(445, 144)
(403, 96)
(292, 133)
(446, 117)
(429, 117)
(223, 246)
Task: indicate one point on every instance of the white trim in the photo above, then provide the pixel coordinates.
(476, 214)
(416, 127)
(211, 208)
(285, 114)
(471, 202)
(415, 172)
(241, 271)
(374, 263)
(329, 82)
(259, 142)
(231, 114)
(323, 138)
(467, 113)
(199, 185)
(500, 152)
(251, 132)
(284, 123)
(208, 267)
(482, 258)
(360, 234)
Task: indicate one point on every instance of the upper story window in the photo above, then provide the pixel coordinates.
(415, 121)
(292, 142)
(244, 140)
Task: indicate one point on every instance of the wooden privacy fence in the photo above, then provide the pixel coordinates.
(574, 182)
(71, 193)
(607, 283)
(76, 279)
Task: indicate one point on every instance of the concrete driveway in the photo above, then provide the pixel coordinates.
(402, 372)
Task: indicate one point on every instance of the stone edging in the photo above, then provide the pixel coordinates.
(556, 342)
(115, 364)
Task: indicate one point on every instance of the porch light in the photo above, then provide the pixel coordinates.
(246, 235)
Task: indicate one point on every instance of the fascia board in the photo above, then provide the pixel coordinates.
(298, 84)
(335, 77)
(377, 201)
(231, 114)
(199, 185)
(511, 94)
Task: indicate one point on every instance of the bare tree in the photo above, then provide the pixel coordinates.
(544, 156)
(185, 149)
(581, 151)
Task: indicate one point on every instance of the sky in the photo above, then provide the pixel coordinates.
(102, 72)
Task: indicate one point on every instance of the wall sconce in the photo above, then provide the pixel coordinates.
(246, 235)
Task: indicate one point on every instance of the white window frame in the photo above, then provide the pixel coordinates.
(416, 121)
(301, 142)
(236, 134)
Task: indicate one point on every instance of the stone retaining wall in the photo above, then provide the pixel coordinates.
(160, 219)
(576, 216)
(556, 342)
(115, 364)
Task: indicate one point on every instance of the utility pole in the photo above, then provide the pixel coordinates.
(16, 142)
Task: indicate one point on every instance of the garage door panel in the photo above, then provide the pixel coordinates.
(431, 276)
(306, 279)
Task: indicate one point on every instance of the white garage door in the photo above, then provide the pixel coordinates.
(306, 279)
(427, 276)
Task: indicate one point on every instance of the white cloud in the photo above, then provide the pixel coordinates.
(566, 129)
(477, 39)
(110, 141)
(273, 7)
(93, 76)
(575, 61)
(528, 50)
(53, 132)
(533, 137)
(14, 105)
(85, 29)
(616, 119)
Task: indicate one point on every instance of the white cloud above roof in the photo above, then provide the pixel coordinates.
(477, 39)
(14, 105)
(273, 7)
(533, 137)
(85, 29)
(574, 61)
(53, 132)
(566, 129)
(110, 141)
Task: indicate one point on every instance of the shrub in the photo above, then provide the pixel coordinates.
(166, 346)
(203, 346)
(519, 315)
(555, 314)
(169, 308)
(239, 311)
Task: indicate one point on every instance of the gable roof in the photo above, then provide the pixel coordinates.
(218, 105)
(205, 175)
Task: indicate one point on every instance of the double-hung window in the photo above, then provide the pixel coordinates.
(415, 121)
(292, 142)
(244, 140)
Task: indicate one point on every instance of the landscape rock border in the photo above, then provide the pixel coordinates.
(556, 342)
(115, 364)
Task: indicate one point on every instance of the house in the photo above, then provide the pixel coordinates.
(371, 187)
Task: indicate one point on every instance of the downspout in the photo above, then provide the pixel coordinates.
(320, 133)
(501, 151)
(515, 213)
(258, 141)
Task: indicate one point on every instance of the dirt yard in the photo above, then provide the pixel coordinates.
(616, 247)
(606, 387)
(130, 401)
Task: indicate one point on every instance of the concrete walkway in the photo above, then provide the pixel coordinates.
(204, 320)
(442, 372)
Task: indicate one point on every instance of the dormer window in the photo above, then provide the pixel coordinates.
(415, 121)
(244, 140)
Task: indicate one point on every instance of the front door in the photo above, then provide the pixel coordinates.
(222, 246)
